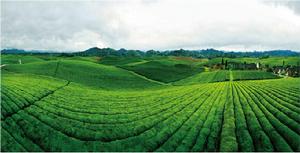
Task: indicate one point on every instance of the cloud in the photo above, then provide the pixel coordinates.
(294, 5)
(149, 24)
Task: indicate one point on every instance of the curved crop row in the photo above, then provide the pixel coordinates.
(289, 135)
(225, 116)
(278, 111)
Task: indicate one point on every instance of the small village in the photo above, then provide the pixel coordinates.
(280, 70)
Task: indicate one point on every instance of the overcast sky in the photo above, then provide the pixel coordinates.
(151, 24)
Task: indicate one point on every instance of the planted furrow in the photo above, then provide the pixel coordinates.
(8, 142)
(281, 94)
(213, 140)
(185, 109)
(29, 104)
(245, 143)
(279, 103)
(11, 126)
(10, 106)
(40, 113)
(260, 139)
(177, 138)
(104, 136)
(43, 136)
(112, 105)
(201, 140)
(279, 113)
(199, 108)
(286, 93)
(11, 97)
(115, 114)
(115, 120)
(289, 135)
(282, 91)
(277, 140)
(228, 135)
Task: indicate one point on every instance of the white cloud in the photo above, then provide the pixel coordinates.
(150, 24)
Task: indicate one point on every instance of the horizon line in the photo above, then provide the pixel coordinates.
(73, 51)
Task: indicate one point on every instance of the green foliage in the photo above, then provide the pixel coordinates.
(14, 59)
(118, 61)
(163, 70)
(228, 142)
(81, 105)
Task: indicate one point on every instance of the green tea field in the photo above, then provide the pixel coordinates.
(141, 105)
(150, 76)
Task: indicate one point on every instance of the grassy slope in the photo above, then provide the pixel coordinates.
(164, 70)
(14, 59)
(119, 60)
(92, 74)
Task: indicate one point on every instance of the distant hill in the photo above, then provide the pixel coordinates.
(13, 51)
(95, 51)
(204, 53)
(282, 53)
(22, 51)
(266, 53)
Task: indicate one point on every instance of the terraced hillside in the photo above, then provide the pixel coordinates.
(43, 113)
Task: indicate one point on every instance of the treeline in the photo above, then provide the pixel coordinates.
(204, 53)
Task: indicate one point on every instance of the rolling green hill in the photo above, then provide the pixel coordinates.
(14, 59)
(110, 60)
(87, 73)
(169, 68)
(164, 70)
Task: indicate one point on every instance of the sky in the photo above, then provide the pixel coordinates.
(233, 25)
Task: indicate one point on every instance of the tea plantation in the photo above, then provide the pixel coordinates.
(78, 105)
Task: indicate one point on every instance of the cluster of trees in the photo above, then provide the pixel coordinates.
(236, 65)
